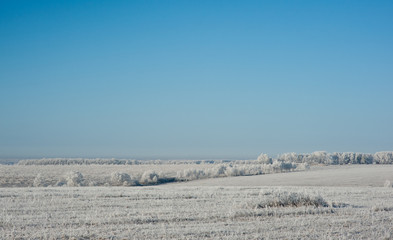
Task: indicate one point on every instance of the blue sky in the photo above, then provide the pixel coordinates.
(194, 79)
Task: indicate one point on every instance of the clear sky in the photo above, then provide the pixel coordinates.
(194, 79)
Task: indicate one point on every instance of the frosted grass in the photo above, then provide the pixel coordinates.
(193, 213)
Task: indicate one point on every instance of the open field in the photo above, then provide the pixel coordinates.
(231, 208)
(193, 213)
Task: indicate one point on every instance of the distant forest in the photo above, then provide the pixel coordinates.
(320, 157)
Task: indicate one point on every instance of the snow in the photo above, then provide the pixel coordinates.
(325, 202)
(191, 212)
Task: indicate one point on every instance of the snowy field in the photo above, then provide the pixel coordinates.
(332, 202)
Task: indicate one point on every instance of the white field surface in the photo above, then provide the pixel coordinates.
(357, 207)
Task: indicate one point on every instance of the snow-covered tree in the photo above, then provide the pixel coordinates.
(264, 159)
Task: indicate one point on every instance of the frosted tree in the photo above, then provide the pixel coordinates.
(288, 157)
(383, 157)
(264, 159)
(319, 157)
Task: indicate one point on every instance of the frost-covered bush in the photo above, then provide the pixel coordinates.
(121, 179)
(39, 181)
(149, 177)
(289, 199)
(74, 179)
(388, 184)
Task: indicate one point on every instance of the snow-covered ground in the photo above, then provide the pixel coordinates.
(334, 202)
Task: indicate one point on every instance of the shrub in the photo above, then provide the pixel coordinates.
(388, 184)
(121, 179)
(74, 179)
(149, 177)
(290, 199)
(39, 181)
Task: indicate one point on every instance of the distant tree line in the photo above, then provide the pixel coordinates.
(336, 158)
(320, 157)
(111, 161)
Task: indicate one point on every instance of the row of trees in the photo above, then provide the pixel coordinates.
(319, 157)
(335, 158)
(111, 161)
(76, 179)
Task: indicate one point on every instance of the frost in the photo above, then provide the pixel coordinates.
(121, 179)
(74, 179)
(264, 159)
(290, 199)
(190, 174)
(388, 184)
(149, 177)
(39, 181)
